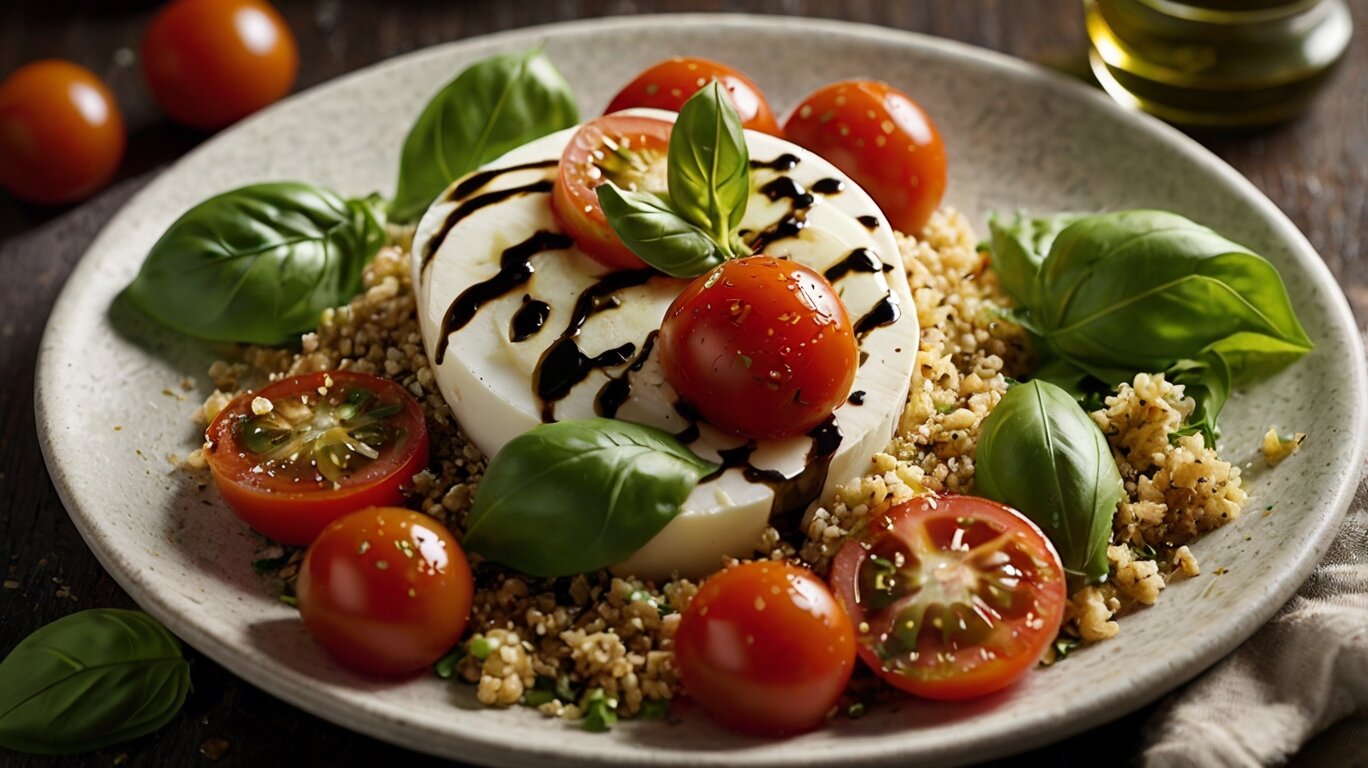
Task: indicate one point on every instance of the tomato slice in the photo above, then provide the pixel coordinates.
(952, 597)
(760, 346)
(386, 591)
(304, 451)
(630, 152)
(883, 140)
(670, 83)
(764, 648)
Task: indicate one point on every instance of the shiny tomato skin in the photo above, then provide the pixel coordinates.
(294, 512)
(883, 140)
(61, 134)
(211, 63)
(670, 83)
(997, 548)
(386, 591)
(765, 649)
(573, 199)
(760, 347)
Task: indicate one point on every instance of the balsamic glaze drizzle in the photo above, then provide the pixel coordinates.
(784, 162)
(858, 260)
(477, 181)
(857, 397)
(564, 364)
(784, 187)
(870, 222)
(528, 320)
(886, 312)
(617, 389)
(474, 204)
(515, 268)
(828, 186)
(792, 495)
(783, 229)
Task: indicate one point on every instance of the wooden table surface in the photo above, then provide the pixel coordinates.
(1315, 169)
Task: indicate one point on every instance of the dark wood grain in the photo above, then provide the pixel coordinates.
(1315, 169)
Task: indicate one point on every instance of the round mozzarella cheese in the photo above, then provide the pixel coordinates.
(523, 328)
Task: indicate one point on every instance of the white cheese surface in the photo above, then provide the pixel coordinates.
(487, 378)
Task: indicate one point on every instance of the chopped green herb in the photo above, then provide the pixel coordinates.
(1144, 552)
(446, 666)
(856, 711)
(664, 608)
(1063, 646)
(480, 646)
(600, 711)
(290, 600)
(564, 690)
(655, 709)
(542, 692)
(943, 408)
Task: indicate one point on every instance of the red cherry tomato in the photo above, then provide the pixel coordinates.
(764, 648)
(953, 597)
(213, 62)
(883, 140)
(304, 451)
(670, 83)
(61, 135)
(386, 591)
(760, 346)
(630, 152)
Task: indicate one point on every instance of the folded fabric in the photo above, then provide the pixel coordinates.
(1298, 687)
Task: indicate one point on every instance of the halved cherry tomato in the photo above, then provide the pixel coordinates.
(61, 135)
(386, 591)
(764, 648)
(213, 62)
(628, 151)
(670, 83)
(760, 346)
(953, 597)
(307, 450)
(883, 140)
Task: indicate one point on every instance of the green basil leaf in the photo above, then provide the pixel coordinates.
(575, 496)
(260, 263)
(1019, 247)
(662, 238)
(493, 106)
(89, 680)
(1040, 453)
(709, 164)
(1207, 381)
(1140, 290)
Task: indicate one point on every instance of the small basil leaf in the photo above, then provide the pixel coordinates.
(260, 263)
(653, 231)
(89, 680)
(1207, 381)
(572, 497)
(1040, 453)
(1140, 290)
(493, 106)
(1018, 247)
(709, 164)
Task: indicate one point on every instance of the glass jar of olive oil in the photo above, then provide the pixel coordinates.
(1216, 63)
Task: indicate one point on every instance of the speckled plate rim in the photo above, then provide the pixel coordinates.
(464, 738)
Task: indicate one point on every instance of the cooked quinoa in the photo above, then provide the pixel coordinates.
(559, 644)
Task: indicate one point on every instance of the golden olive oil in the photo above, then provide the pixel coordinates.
(1216, 63)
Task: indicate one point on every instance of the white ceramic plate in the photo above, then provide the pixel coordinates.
(1017, 137)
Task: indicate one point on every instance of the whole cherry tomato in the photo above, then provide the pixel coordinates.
(883, 140)
(304, 451)
(386, 591)
(953, 596)
(764, 648)
(760, 347)
(670, 83)
(213, 62)
(61, 134)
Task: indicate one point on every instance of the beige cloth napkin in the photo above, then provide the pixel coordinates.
(1297, 692)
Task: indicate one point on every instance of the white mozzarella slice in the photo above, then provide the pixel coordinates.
(489, 379)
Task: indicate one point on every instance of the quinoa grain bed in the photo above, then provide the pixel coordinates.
(561, 644)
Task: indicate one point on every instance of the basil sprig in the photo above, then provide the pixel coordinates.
(572, 497)
(260, 263)
(694, 228)
(89, 680)
(491, 107)
(1116, 294)
(1040, 453)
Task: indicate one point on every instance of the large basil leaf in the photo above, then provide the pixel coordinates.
(709, 164)
(260, 263)
(1019, 247)
(89, 680)
(1140, 290)
(653, 231)
(574, 496)
(1040, 453)
(493, 106)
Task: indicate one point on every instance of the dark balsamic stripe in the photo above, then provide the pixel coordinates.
(828, 186)
(528, 320)
(477, 181)
(617, 389)
(886, 312)
(858, 260)
(784, 162)
(474, 204)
